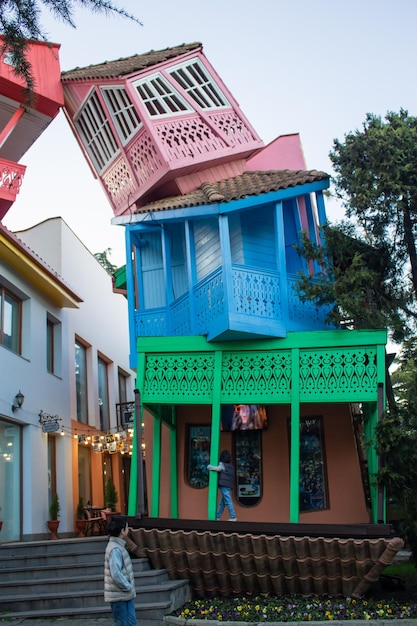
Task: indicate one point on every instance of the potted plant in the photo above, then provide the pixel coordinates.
(81, 518)
(111, 498)
(53, 521)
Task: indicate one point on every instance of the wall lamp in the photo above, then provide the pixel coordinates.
(18, 401)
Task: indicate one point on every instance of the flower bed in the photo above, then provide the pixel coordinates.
(293, 609)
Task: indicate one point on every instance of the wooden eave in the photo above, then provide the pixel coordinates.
(35, 271)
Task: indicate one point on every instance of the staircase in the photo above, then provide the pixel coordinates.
(64, 578)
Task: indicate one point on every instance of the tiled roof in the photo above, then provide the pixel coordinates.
(128, 65)
(246, 184)
(219, 563)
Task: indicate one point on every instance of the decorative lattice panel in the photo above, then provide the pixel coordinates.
(299, 311)
(118, 182)
(144, 157)
(344, 371)
(151, 323)
(180, 378)
(256, 293)
(232, 126)
(209, 301)
(264, 376)
(186, 138)
(11, 175)
(181, 316)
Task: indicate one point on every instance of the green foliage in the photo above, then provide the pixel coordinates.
(54, 508)
(376, 179)
(103, 259)
(397, 444)
(80, 512)
(111, 496)
(20, 22)
(357, 283)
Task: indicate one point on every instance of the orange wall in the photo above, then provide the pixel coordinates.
(345, 491)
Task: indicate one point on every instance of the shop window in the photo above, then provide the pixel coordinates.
(198, 456)
(248, 455)
(313, 475)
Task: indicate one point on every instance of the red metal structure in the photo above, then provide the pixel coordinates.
(23, 116)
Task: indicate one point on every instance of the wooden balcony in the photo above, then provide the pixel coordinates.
(254, 304)
(11, 176)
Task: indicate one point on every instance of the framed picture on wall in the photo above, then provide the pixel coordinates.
(198, 455)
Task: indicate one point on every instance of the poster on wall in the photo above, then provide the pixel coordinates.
(243, 417)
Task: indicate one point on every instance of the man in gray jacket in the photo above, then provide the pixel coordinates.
(119, 582)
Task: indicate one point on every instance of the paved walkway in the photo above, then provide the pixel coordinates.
(59, 621)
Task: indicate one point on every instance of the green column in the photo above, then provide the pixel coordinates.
(295, 439)
(156, 466)
(215, 436)
(173, 473)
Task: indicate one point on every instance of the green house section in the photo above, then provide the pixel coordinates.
(340, 366)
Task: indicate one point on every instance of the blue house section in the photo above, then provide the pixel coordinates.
(226, 270)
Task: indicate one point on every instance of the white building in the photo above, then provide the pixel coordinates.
(64, 345)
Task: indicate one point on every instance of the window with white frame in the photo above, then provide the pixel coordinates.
(10, 320)
(96, 133)
(123, 112)
(196, 81)
(159, 97)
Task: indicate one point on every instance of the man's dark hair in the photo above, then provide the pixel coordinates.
(116, 525)
(225, 456)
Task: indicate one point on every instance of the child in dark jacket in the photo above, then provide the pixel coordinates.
(225, 484)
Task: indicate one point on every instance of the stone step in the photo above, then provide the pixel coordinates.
(151, 614)
(81, 581)
(87, 599)
(86, 545)
(64, 579)
(39, 569)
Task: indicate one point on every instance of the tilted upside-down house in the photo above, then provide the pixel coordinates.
(212, 220)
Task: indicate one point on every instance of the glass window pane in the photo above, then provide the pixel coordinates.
(313, 491)
(81, 382)
(103, 395)
(198, 456)
(10, 321)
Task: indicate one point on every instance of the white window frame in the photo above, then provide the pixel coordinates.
(197, 82)
(159, 97)
(124, 115)
(96, 132)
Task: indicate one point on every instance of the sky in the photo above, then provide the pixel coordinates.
(313, 68)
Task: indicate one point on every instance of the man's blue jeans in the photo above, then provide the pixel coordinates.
(124, 613)
(226, 500)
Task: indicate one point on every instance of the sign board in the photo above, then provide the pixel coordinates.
(50, 427)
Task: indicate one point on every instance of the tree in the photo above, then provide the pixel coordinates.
(370, 262)
(356, 283)
(20, 21)
(397, 444)
(376, 179)
(103, 259)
